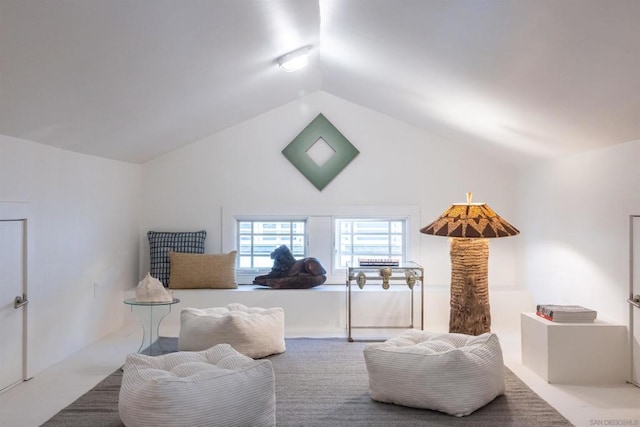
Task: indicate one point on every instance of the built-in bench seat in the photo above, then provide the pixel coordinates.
(322, 311)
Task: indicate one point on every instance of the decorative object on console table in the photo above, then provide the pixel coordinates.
(469, 227)
(566, 313)
(289, 273)
(378, 262)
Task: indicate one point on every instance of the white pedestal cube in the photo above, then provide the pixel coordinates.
(575, 353)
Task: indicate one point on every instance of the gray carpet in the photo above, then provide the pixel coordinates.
(323, 382)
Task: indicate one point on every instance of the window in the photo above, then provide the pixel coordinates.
(333, 234)
(369, 238)
(256, 239)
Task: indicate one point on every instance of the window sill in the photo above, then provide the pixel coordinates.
(325, 287)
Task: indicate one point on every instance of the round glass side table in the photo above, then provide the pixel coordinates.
(150, 315)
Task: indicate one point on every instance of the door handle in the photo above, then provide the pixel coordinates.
(635, 301)
(20, 301)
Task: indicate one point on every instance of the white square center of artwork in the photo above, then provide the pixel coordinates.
(320, 152)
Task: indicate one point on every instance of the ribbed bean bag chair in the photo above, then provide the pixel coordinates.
(253, 331)
(451, 373)
(215, 387)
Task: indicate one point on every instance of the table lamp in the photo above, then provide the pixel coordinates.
(469, 227)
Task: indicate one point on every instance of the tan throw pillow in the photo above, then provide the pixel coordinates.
(197, 271)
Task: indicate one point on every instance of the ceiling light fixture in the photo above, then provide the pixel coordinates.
(295, 60)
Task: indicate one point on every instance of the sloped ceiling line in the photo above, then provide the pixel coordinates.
(133, 80)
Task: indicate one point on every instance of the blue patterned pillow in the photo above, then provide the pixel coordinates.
(161, 243)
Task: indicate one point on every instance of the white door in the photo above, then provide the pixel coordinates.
(12, 284)
(634, 289)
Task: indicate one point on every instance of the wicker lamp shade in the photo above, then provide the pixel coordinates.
(470, 226)
(471, 220)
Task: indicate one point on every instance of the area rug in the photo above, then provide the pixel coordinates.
(323, 382)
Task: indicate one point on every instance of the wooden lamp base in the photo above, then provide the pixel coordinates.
(470, 312)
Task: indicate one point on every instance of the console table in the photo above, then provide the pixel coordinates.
(408, 273)
(150, 315)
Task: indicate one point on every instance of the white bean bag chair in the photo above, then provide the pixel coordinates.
(216, 387)
(253, 331)
(451, 373)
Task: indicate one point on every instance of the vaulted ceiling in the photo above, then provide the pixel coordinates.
(133, 79)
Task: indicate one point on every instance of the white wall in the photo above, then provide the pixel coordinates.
(576, 241)
(89, 225)
(398, 165)
(84, 230)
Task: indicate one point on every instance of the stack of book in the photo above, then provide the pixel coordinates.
(378, 262)
(566, 313)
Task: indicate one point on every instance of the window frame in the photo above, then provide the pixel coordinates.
(337, 234)
(320, 230)
(291, 235)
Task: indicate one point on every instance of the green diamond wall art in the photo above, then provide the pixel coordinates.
(320, 152)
